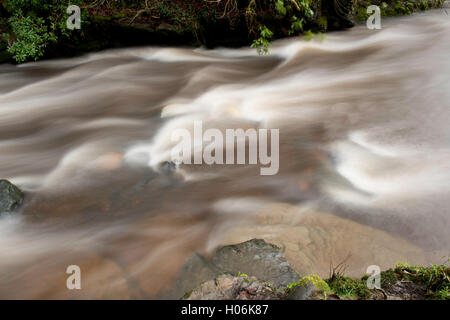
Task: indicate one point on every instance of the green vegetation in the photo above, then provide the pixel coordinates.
(262, 43)
(395, 7)
(349, 288)
(434, 284)
(31, 26)
(298, 14)
(31, 37)
(388, 277)
(316, 281)
(435, 277)
(242, 275)
(35, 29)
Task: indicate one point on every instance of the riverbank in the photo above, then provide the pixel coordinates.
(278, 281)
(39, 32)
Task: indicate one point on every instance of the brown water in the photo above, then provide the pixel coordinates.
(364, 158)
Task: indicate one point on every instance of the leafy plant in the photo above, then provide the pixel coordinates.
(280, 8)
(33, 25)
(297, 25)
(31, 37)
(263, 42)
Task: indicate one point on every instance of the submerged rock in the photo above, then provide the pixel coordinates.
(11, 196)
(168, 167)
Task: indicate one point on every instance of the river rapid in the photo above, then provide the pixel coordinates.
(364, 154)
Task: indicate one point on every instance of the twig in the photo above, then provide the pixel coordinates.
(296, 5)
(140, 12)
(383, 292)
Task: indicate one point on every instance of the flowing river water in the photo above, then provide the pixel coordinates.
(364, 133)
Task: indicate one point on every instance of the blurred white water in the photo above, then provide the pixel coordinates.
(364, 158)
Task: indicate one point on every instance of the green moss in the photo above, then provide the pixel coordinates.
(317, 281)
(388, 277)
(435, 277)
(346, 287)
(395, 7)
(408, 7)
(443, 294)
(187, 294)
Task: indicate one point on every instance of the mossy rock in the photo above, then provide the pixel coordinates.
(317, 281)
(253, 258)
(11, 197)
(304, 288)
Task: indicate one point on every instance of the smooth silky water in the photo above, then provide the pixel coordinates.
(364, 158)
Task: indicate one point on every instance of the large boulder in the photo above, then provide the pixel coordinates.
(11, 196)
(254, 258)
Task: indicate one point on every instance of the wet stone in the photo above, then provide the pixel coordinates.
(11, 197)
(271, 267)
